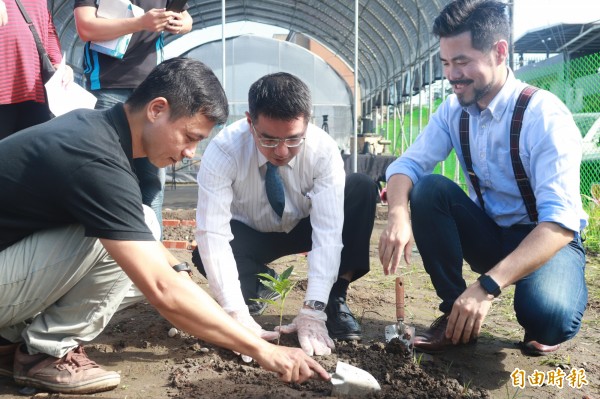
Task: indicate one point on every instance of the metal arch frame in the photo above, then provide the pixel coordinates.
(396, 29)
(318, 33)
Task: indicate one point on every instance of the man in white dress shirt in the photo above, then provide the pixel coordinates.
(322, 211)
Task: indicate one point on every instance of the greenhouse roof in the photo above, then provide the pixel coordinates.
(394, 36)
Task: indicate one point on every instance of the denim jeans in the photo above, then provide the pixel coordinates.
(449, 227)
(151, 178)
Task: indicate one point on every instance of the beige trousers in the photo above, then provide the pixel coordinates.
(59, 289)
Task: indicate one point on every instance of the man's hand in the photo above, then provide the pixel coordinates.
(395, 239)
(157, 19)
(312, 332)
(3, 14)
(176, 24)
(292, 364)
(468, 312)
(397, 236)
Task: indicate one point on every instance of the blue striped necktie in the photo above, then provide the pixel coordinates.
(274, 187)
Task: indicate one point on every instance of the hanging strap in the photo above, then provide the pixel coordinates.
(518, 169)
(466, 150)
(38, 42)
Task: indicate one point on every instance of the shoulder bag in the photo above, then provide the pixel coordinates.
(47, 69)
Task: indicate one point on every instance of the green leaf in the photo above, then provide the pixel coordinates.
(267, 276)
(286, 274)
(263, 300)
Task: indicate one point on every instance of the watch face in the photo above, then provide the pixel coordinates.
(316, 305)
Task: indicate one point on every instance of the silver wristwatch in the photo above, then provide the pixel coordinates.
(314, 305)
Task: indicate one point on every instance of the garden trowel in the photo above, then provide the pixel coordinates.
(404, 333)
(352, 382)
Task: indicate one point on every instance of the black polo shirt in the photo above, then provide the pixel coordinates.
(73, 169)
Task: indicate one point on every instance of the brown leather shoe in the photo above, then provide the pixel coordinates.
(529, 347)
(73, 373)
(434, 339)
(7, 358)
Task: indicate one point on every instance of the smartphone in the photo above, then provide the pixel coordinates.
(176, 5)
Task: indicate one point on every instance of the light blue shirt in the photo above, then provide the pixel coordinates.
(549, 147)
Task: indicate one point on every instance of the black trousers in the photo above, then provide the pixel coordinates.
(253, 250)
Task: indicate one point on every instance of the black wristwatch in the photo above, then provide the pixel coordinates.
(183, 267)
(489, 285)
(314, 305)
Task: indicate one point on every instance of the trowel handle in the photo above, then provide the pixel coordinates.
(399, 298)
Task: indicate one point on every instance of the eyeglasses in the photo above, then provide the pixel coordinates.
(272, 143)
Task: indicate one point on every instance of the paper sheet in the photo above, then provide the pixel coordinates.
(64, 99)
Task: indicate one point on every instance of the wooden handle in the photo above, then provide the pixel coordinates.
(399, 298)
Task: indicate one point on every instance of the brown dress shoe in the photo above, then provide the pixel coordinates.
(529, 347)
(73, 373)
(434, 339)
(7, 358)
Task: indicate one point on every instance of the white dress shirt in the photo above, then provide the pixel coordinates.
(549, 147)
(231, 185)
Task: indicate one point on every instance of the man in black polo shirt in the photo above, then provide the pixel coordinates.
(112, 79)
(73, 236)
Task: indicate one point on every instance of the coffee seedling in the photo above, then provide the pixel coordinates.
(281, 285)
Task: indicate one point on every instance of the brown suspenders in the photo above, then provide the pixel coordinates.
(518, 169)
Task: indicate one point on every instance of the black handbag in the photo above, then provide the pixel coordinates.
(47, 69)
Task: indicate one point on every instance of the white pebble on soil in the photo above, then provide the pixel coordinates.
(173, 332)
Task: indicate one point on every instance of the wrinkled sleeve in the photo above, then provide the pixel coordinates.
(213, 230)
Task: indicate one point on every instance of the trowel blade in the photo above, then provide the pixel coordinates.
(351, 381)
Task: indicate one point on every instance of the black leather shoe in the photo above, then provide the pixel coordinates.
(529, 347)
(434, 339)
(341, 323)
(257, 308)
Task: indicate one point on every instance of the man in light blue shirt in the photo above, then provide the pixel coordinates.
(537, 249)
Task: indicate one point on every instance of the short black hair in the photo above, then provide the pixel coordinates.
(279, 96)
(188, 85)
(487, 21)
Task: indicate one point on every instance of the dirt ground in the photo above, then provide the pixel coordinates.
(154, 365)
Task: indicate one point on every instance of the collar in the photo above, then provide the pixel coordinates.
(262, 160)
(119, 119)
(499, 104)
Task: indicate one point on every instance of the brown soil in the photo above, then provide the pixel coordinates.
(153, 365)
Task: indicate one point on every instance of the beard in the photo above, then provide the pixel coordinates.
(478, 94)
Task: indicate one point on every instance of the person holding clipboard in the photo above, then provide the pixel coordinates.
(112, 80)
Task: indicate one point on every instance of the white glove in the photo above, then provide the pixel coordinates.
(312, 332)
(244, 318)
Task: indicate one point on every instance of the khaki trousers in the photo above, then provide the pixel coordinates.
(59, 289)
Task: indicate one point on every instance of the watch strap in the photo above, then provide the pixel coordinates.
(489, 285)
(183, 267)
(315, 305)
